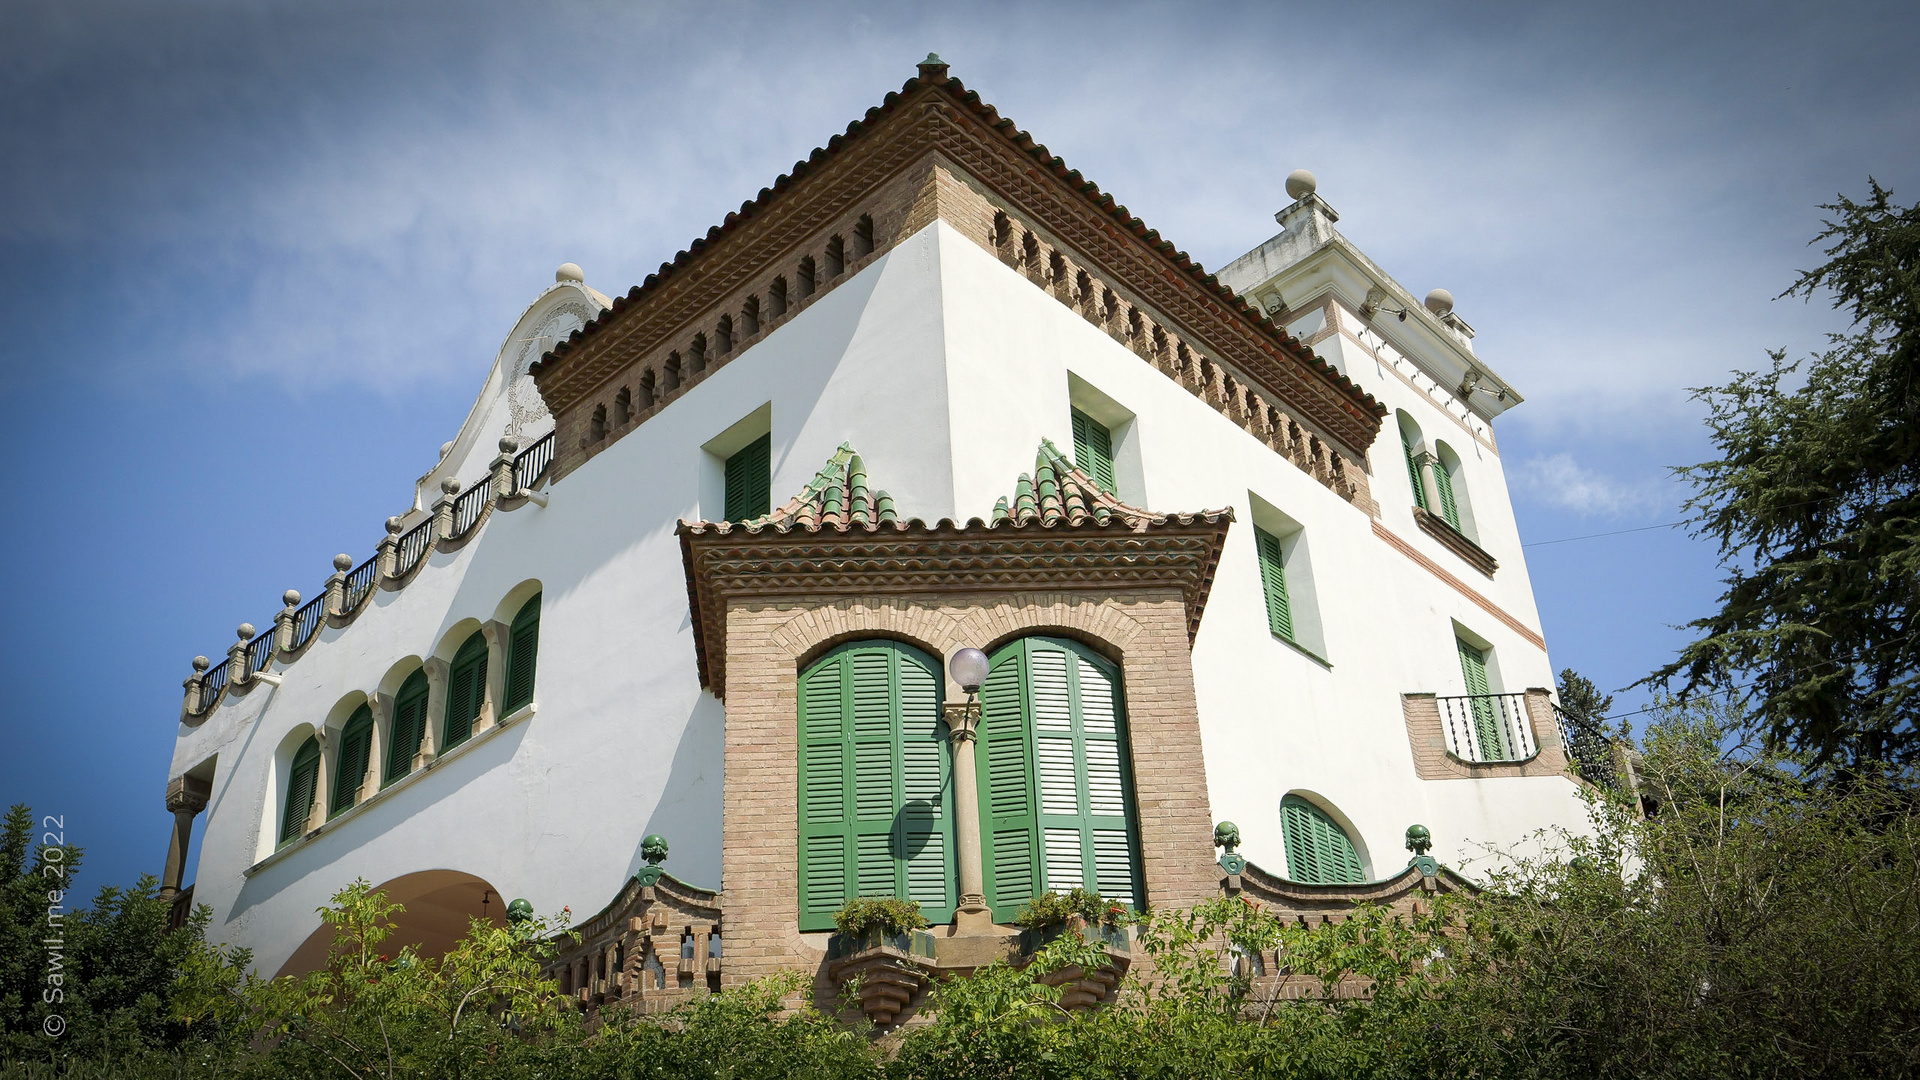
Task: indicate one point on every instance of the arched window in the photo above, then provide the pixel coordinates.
(1002, 230)
(646, 388)
(302, 777)
(723, 336)
(874, 810)
(598, 429)
(523, 649)
(409, 727)
(673, 370)
(777, 296)
(750, 316)
(1319, 852)
(350, 764)
(466, 690)
(863, 236)
(622, 407)
(1056, 790)
(697, 353)
(1454, 503)
(1409, 443)
(836, 256)
(806, 276)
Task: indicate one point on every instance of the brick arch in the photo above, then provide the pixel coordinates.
(814, 630)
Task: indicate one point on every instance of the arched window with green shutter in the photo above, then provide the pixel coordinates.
(1056, 784)
(350, 765)
(1093, 449)
(1413, 469)
(302, 777)
(1443, 482)
(523, 649)
(466, 690)
(409, 727)
(1319, 851)
(875, 799)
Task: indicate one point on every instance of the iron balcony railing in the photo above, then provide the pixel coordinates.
(260, 651)
(531, 464)
(468, 507)
(307, 620)
(1588, 748)
(1484, 728)
(359, 584)
(214, 681)
(412, 547)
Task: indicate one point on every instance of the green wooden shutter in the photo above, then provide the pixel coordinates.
(523, 649)
(1413, 472)
(409, 727)
(1449, 509)
(1486, 721)
(1319, 852)
(302, 778)
(874, 817)
(1273, 576)
(350, 765)
(466, 690)
(750, 480)
(1011, 844)
(1093, 449)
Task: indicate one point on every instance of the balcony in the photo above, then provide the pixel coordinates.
(1504, 735)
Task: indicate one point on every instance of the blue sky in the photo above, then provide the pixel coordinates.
(256, 258)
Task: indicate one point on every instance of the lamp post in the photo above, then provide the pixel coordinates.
(969, 668)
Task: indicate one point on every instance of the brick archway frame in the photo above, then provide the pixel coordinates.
(768, 641)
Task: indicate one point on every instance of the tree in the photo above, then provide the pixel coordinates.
(1814, 501)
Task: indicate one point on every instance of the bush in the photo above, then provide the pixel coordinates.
(1052, 909)
(890, 914)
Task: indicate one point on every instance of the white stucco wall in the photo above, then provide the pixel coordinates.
(943, 368)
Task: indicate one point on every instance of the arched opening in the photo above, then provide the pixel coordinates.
(1056, 776)
(1320, 849)
(863, 236)
(1456, 505)
(1411, 447)
(439, 905)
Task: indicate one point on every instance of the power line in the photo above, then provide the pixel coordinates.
(1595, 536)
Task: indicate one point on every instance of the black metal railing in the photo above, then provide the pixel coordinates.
(412, 547)
(214, 682)
(531, 464)
(1589, 748)
(359, 584)
(1484, 728)
(469, 505)
(260, 651)
(307, 620)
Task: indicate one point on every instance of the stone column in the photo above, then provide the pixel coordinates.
(443, 509)
(322, 783)
(381, 706)
(196, 687)
(502, 468)
(963, 722)
(337, 584)
(186, 797)
(389, 548)
(496, 633)
(283, 622)
(437, 670)
(237, 656)
(1428, 485)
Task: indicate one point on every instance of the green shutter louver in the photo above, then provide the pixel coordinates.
(350, 765)
(1443, 481)
(750, 480)
(1273, 579)
(523, 649)
(874, 789)
(1093, 449)
(466, 690)
(1055, 790)
(1319, 852)
(1413, 471)
(1486, 721)
(302, 777)
(409, 727)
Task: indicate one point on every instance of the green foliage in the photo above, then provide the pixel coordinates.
(889, 914)
(1053, 909)
(1814, 501)
(1581, 700)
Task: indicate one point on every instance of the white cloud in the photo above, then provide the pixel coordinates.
(1561, 482)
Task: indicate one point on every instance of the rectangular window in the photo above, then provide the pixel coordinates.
(750, 480)
(1486, 719)
(1093, 449)
(1273, 577)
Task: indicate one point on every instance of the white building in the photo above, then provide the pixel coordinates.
(1251, 622)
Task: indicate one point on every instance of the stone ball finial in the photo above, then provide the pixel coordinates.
(1439, 301)
(569, 272)
(343, 562)
(451, 485)
(395, 524)
(508, 444)
(245, 630)
(653, 848)
(1226, 835)
(201, 663)
(446, 446)
(1419, 839)
(520, 910)
(291, 598)
(1300, 184)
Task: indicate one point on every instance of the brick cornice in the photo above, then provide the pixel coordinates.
(726, 563)
(942, 118)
